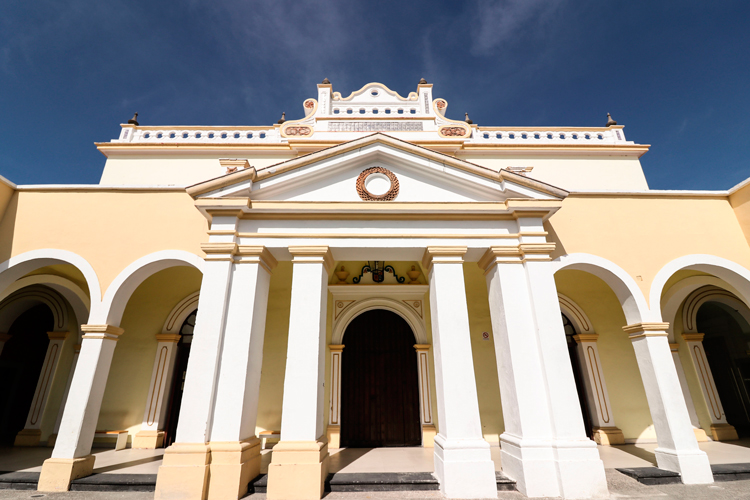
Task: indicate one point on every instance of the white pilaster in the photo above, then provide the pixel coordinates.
(544, 446)
(299, 462)
(425, 398)
(678, 449)
(53, 437)
(151, 434)
(235, 450)
(71, 456)
(462, 457)
(184, 471)
(721, 430)
(605, 430)
(700, 434)
(32, 432)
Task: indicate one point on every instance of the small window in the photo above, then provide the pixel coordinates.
(349, 111)
(362, 111)
(413, 111)
(388, 111)
(336, 111)
(401, 111)
(374, 111)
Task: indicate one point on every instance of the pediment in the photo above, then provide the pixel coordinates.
(358, 170)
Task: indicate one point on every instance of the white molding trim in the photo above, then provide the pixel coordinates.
(24, 298)
(575, 314)
(180, 313)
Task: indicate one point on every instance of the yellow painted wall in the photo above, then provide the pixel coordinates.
(483, 352)
(107, 228)
(624, 383)
(130, 374)
(642, 234)
(740, 201)
(6, 193)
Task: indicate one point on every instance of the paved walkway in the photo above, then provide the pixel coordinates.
(131, 461)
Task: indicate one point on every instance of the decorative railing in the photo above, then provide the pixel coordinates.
(204, 135)
(533, 136)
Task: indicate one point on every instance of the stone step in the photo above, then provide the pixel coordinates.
(654, 475)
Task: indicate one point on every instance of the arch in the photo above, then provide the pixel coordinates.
(16, 267)
(123, 286)
(407, 313)
(72, 293)
(575, 314)
(22, 300)
(736, 276)
(631, 298)
(180, 312)
(710, 294)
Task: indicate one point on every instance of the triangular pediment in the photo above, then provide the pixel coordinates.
(376, 168)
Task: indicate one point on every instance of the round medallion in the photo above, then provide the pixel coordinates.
(377, 184)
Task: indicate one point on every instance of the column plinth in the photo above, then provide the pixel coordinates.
(184, 472)
(233, 466)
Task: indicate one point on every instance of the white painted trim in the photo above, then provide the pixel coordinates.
(119, 292)
(658, 193)
(734, 274)
(94, 187)
(575, 314)
(704, 294)
(10, 184)
(633, 302)
(16, 267)
(180, 313)
(22, 300)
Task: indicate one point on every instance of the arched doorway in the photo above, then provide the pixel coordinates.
(178, 380)
(20, 363)
(575, 362)
(726, 342)
(379, 383)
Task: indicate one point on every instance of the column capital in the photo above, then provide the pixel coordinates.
(318, 254)
(168, 337)
(646, 329)
(515, 254)
(422, 347)
(219, 251)
(58, 335)
(256, 254)
(336, 347)
(103, 332)
(443, 255)
(693, 337)
(586, 337)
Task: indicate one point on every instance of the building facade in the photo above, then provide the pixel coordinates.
(373, 274)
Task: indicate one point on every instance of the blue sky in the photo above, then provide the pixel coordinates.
(675, 73)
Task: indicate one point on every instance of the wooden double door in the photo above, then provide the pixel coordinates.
(379, 383)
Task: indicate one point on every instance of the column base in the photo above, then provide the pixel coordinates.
(148, 440)
(570, 469)
(429, 432)
(298, 470)
(693, 465)
(57, 473)
(184, 472)
(233, 466)
(464, 468)
(333, 434)
(720, 432)
(606, 436)
(28, 437)
(700, 435)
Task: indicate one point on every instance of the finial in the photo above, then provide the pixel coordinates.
(326, 81)
(422, 81)
(134, 120)
(610, 121)
(283, 117)
(467, 119)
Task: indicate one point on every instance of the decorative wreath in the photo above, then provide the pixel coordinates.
(368, 196)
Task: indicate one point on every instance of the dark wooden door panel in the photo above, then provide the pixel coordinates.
(379, 386)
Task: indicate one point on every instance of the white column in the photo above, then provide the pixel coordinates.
(425, 399)
(700, 434)
(544, 446)
(605, 430)
(462, 457)
(721, 430)
(334, 412)
(299, 463)
(678, 449)
(184, 471)
(32, 430)
(53, 437)
(4, 337)
(235, 450)
(71, 456)
(151, 434)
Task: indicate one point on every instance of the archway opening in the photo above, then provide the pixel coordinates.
(20, 364)
(178, 380)
(575, 362)
(727, 345)
(379, 383)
